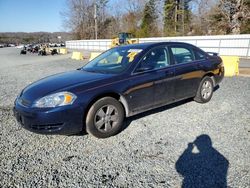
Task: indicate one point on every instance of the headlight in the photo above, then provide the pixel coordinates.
(56, 99)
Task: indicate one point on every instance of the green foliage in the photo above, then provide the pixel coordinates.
(151, 18)
(148, 26)
(177, 17)
(169, 17)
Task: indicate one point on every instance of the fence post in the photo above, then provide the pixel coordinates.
(219, 47)
(248, 49)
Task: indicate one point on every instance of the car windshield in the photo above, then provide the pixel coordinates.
(113, 61)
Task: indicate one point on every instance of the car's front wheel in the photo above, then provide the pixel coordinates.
(205, 90)
(105, 118)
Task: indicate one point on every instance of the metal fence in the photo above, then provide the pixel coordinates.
(232, 45)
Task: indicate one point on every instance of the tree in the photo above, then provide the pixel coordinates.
(103, 19)
(200, 17)
(169, 17)
(245, 24)
(131, 19)
(228, 16)
(80, 18)
(149, 25)
(177, 17)
(148, 18)
(187, 16)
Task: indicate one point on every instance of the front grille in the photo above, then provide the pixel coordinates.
(48, 127)
(24, 102)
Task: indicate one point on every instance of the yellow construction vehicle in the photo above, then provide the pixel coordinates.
(123, 39)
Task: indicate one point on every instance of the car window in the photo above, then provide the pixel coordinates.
(155, 59)
(199, 55)
(182, 55)
(115, 60)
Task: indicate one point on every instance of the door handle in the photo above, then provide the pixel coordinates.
(200, 66)
(169, 73)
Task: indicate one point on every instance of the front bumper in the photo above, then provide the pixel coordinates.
(65, 120)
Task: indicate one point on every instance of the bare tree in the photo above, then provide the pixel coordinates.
(200, 16)
(228, 16)
(132, 17)
(241, 13)
(80, 17)
(172, 17)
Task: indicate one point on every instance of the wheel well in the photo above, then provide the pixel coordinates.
(210, 75)
(111, 94)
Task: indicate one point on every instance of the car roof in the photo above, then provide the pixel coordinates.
(153, 44)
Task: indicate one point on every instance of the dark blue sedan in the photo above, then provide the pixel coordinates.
(119, 83)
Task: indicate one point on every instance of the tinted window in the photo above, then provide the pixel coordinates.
(182, 54)
(155, 59)
(199, 55)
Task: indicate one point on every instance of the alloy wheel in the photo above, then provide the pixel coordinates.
(206, 90)
(106, 118)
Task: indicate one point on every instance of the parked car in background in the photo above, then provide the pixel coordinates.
(11, 45)
(119, 83)
(20, 46)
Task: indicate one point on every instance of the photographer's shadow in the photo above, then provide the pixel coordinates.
(201, 165)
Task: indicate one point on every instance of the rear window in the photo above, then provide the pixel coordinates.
(182, 55)
(199, 55)
(156, 58)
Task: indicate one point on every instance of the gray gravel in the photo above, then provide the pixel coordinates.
(144, 154)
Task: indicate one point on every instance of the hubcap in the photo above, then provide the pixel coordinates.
(206, 90)
(106, 118)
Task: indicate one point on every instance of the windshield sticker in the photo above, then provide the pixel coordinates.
(131, 56)
(133, 53)
(135, 50)
(119, 59)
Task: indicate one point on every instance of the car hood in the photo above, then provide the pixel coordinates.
(60, 81)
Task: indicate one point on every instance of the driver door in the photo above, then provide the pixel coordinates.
(151, 83)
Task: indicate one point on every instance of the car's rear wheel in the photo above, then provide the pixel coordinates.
(105, 118)
(205, 90)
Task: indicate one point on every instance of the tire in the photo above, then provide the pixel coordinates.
(105, 118)
(205, 90)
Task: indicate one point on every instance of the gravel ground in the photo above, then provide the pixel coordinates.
(152, 151)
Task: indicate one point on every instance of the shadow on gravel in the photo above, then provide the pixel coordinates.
(201, 165)
(216, 88)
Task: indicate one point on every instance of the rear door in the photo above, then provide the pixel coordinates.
(187, 72)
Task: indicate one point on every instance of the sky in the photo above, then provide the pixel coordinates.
(31, 15)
